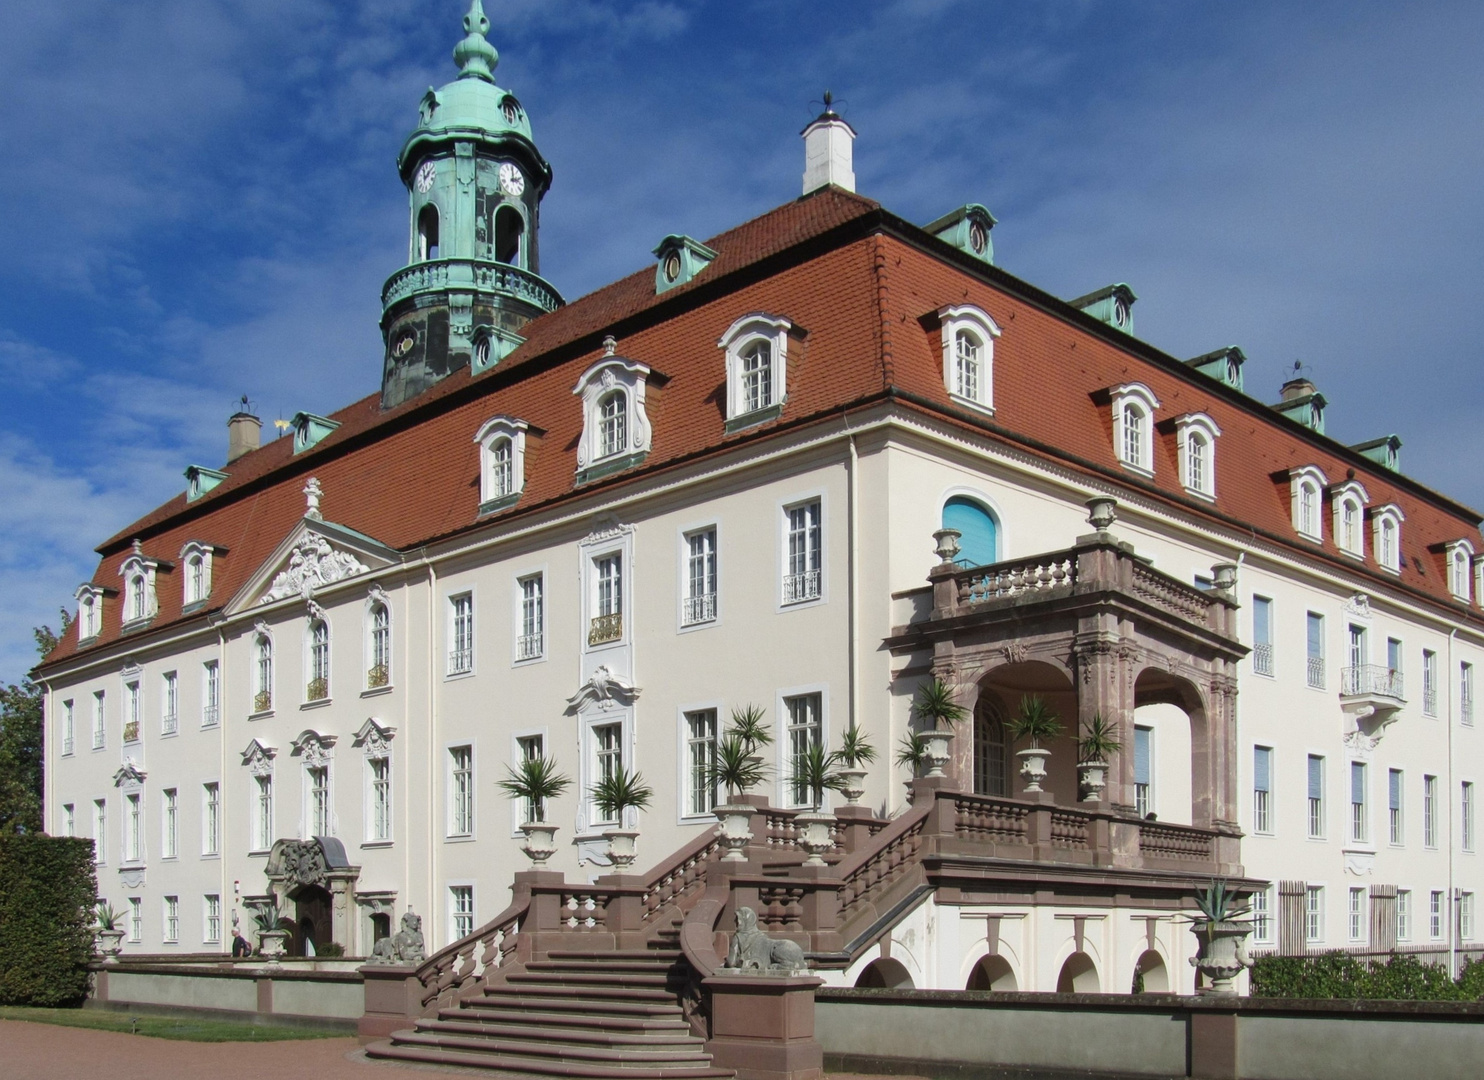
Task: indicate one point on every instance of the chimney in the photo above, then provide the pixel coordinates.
(244, 433)
(1297, 388)
(828, 157)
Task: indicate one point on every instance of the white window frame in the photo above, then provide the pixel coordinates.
(1388, 557)
(1314, 666)
(378, 601)
(452, 809)
(132, 850)
(69, 819)
(1188, 428)
(1396, 817)
(1360, 823)
(136, 919)
(785, 562)
(264, 672)
(1468, 809)
(1262, 800)
(317, 666)
(629, 377)
(1466, 693)
(170, 920)
(1403, 914)
(1437, 911)
(211, 693)
(1465, 915)
(1429, 811)
(170, 703)
(1134, 396)
(1352, 497)
(1429, 682)
(133, 718)
(1316, 817)
(783, 762)
(703, 609)
(69, 728)
(169, 823)
(193, 552)
(519, 740)
(89, 612)
(1264, 654)
(140, 601)
(528, 644)
(967, 319)
(263, 813)
(100, 720)
(456, 891)
(211, 819)
(1356, 913)
(737, 342)
(459, 665)
(1314, 899)
(607, 540)
(589, 824)
(495, 432)
(684, 815)
(211, 919)
(100, 831)
(1460, 559)
(1308, 519)
(1262, 915)
(375, 740)
(1145, 802)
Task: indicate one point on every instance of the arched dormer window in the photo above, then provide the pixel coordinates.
(1460, 556)
(979, 531)
(317, 643)
(510, 232)
(1306, 489)
(615, 432)
(427, 233)
(502, 462)
(1195, 437)
(378, 640)
(968, 335)
(1134, 405)
(138, 572)
(89, 611)
(1349, 501)
(196, 559)
(1386, 526)
(262, 670)
(757, 368)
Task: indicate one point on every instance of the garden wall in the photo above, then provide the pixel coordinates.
(333, 996)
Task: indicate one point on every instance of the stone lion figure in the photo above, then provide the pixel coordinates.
(403, 947)
(754, 951)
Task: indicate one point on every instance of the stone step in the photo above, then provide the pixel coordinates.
(588, 975)
(437, 1033)
(618, 992)
(674, 1037)
(582, 1020)
(646, 966)
(433, 1055)
(516, 999)
(599, 957)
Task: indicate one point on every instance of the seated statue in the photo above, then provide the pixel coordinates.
(403, 947)
(754, 952)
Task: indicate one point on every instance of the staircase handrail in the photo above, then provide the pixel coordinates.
(455, 965)
(699, 851)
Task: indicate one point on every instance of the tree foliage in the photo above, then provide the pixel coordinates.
(21, 746)
(48, 895)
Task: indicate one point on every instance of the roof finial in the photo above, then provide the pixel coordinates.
(475, 56)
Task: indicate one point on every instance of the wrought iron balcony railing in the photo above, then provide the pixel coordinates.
(803, 586)
(1371, 679)
(699, 609)
(1262, 659)
(530, 646)
(606, 628)
(473, 275)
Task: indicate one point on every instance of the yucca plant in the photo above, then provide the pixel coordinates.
(1035, 721)
(621, 790)
(855, 749)
(107, 917)
(1100, 742)
(266, 916)
(535, 779)
(747, 722)
(734, 766)
(935, 704)
(1218, 903)
(912, 752)
(814, 771)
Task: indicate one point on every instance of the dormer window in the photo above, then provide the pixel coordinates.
(615, 432)
(1196, 435)
(1349, 500)
(309, 429)
(1306, 488)
(757, 369)
(502, 458)
(1133, 426)
(138, 573)
(196, 559)
(1460, 555)
(968, 355)
(1386, 526)
(680, 259)
(89, 612)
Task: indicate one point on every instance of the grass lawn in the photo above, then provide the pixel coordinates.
(164, 1027)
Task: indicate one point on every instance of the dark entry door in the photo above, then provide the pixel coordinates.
(313, 920)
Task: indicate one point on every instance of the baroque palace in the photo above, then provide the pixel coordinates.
(812, 464)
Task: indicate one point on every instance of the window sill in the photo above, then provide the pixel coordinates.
(214, 857)
(262, 854)
(703, 624)
(1358, 556)
(529, 660)
(373, 844)
(318, 703)
(1197, 493)
(136, 625)
(971, 403)
(809, 601)
(610, 465)
(100, 747)
(260, 715)
(377, 691)
(1137, 470)
(195, 606)
(1309, 537)
(494, 506)
(452, 675)
(170, 734)
(1394, 570)
(464, 838)
(751, 419)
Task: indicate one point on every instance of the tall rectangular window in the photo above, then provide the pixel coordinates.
(1394, 684)
(461, 910)
(98, 729)
(532, 639)
(262, 835)
(1430, 811)
(700, 577)
(461, 791)
(133, 827)
(211, 819)
(461, 634)
(530, 748)
(67, 728)
(1314, 913)
(1356, 914)
(170, 704)
(1262, 914)
(69, 820)
(1262, 635)
(172, 919)
(607, 622)
(805, 729)
(700, 745)
(132, 710)
(1262, 789)
(136, 918)
(607, 760)
(1143, 771)
(1315, 643)
(803, 576)
(1466, 815)
(1404, 914)
(1358, 831)
(379, 674)
(1429, 683)
(1394, 793)
(1360, 657)
(212, 912)
(171, 824)
(1316, 796)
(319, 800)
(379, 776)
(211, 694)
(100, 831)
(1466, 916)
(1466, 694)
(1435, 915)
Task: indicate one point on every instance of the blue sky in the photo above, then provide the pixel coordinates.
(200, 200)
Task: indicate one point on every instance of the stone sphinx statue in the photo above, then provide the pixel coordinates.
(403, 947)
(753, 952)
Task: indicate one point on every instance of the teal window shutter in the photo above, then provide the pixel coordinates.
(1142, 765)
(1262, 768)
(1316, 777)
(979, 539)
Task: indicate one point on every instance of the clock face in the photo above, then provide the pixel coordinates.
(425, 177)
(511, 180)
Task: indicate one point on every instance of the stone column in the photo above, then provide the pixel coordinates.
(343, 924)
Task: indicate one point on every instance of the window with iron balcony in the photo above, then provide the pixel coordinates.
(531, 641)
(607, 620)
(379, 672)
(699, 604)
(461, 634)
(803, 577)
(318, 687)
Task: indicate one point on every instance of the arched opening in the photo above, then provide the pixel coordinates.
(427, 232)
(992, 973)
(978, 542)
(381, 927)
(1079, 975)
(991, 748)
(1150, 974)
(1002, 691)
(885, 974)
(510, 229)
(313, 921)
(1170, 756)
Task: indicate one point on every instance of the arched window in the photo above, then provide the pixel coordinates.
(757, 368)
(978, 532)
(1388, 542)
(966, 365)
(1350, 525)
(502, 462)
(757, 376)
(1387, 536)
(87, 617)
(262, 698)
(1309, 509)
(319, 661)
(379, 672)
(427, 232)
(991, 750)
(1199, 451)
(502, 468)
(612, 423)
(195, 579)
(968, 355)
(1133, 426)
(138, 600)
(1306, 487)
(1195, 439)
(1133, 435)
(510, 229)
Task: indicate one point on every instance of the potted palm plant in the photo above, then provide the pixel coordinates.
(814, 772)
(613, 795)
(736, 766)
(1222, 933)
(110, 931)
(268, 919)
(1097, 745)
(1035, 721)
(935, 704)
(534, 780)
(855, 751)
(912, 752)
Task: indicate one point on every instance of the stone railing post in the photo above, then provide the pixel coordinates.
(944, 580)
(763, 1026)
(855, 827)
(393, 1000)
(624, 913)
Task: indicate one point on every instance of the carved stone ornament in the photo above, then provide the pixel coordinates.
(1358, 606)
(375, 738)
(404, 947)
(129, 775)
(313, 747)
(605, 688)
(376, 594)
(604, 529)
(312, 495)
(298, 862)
(1016, 653)
(258, 757)
(313, 565)
(753, 952)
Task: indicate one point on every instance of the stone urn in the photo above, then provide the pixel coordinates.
(1033, 767)
(852, 785)
(540, 842)
(816, 835)
(271, 944)
(938, 752)
(735, 833)
(1222, 953)
(109, 946)
(621, 847)
(1092, 778)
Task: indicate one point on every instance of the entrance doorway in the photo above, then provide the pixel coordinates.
(314, 924)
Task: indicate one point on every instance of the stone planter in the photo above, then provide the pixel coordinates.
(816, 835)
(1033, 767)
(853, 785)
(938, 751)
(1092, 778)
(735, 834)
(540, 842)
(271, 945)
(109, 946)
(621, 847)
(1222, 954)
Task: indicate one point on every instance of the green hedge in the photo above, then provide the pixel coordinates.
(1400, 977)
(47, 893)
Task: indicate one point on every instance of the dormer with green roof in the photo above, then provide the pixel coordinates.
(475, 181)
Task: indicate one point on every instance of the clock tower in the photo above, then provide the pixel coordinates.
(475, 181)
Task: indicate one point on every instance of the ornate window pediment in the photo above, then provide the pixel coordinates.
(130, 775)
(1195, 436)
(605, 689)
(1306, 486)
(1348, 501)
(374, 737)
(968, 355)
(138, 572)
(258, 757)
(1386, 536)
(616, 432)
(502, 462)
(314, 747)
(757, 368)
